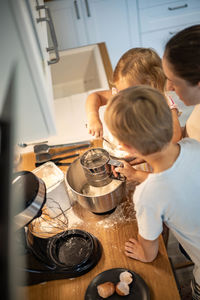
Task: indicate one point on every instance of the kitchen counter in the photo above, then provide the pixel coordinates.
(112, 230)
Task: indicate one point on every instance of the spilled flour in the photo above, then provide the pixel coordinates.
(73, 219)
(124, 213)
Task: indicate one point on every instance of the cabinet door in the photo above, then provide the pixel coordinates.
(34, 114)
(107, 21)
(167, 15)
(157, 39)
(42, 40)
(69, 23)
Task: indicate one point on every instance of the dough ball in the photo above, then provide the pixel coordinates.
(126, 277)
(106, 289)
(122, 288)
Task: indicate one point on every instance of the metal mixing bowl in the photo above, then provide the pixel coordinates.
(95, 199)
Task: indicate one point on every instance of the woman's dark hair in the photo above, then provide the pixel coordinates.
(182, 51)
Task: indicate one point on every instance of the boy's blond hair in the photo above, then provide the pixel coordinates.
(143, 65)
(139, 117)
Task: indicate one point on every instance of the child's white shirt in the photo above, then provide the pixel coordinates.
(173, 197)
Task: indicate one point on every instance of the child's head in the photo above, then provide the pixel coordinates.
(139, 66)
(140, 118)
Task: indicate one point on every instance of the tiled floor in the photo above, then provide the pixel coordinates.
(183, 275)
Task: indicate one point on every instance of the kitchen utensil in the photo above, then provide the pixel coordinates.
(24, 145)
(57, 162)
(43, 157)
(51, 222)
(115, 152)
(28, 186)
(138, 288)
(112, 146)
(53, 218)
(44, 148)
(96, 164)
(96, 199)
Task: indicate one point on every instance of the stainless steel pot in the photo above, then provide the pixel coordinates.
(95, 199)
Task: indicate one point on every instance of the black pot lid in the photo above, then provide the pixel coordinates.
(71, 249)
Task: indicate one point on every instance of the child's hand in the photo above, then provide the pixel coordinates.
(133, 249)
(131, 174)
(127, 170)
(141, 249)
(136, 161)
(95, 126)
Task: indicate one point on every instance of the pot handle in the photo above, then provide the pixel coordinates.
(119, 177)
(116, 163)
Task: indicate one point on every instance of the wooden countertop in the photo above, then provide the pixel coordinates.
(112, 231)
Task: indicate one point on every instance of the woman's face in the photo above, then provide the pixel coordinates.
(188, 93)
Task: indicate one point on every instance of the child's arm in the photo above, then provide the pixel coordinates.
(93, 103)
(177, 130)
(141, 249)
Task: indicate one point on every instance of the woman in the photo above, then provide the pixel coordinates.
(181, 65)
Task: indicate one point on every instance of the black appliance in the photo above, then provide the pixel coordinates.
(68, 254)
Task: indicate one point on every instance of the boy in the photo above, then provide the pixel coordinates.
(142, 123)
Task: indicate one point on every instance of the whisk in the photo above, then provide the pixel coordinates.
(52, 221)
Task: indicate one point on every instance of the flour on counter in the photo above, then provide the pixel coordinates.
(73, 220)
(124, 213)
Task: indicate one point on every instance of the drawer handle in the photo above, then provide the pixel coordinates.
(76, 10)
(87, 8)
(49, 21)
(178, 7)
(172, 32)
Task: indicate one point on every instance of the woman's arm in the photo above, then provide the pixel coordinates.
(93, 102)
(141, 249)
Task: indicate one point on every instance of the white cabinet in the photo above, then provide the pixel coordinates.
(85, 22)
(69, 23)
(159, 20)
(38, 16)
(108, 21)
(121, 24)
(19, 49)
(157, 39)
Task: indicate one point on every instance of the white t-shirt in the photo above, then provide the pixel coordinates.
(173, 197)
(192, 124)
